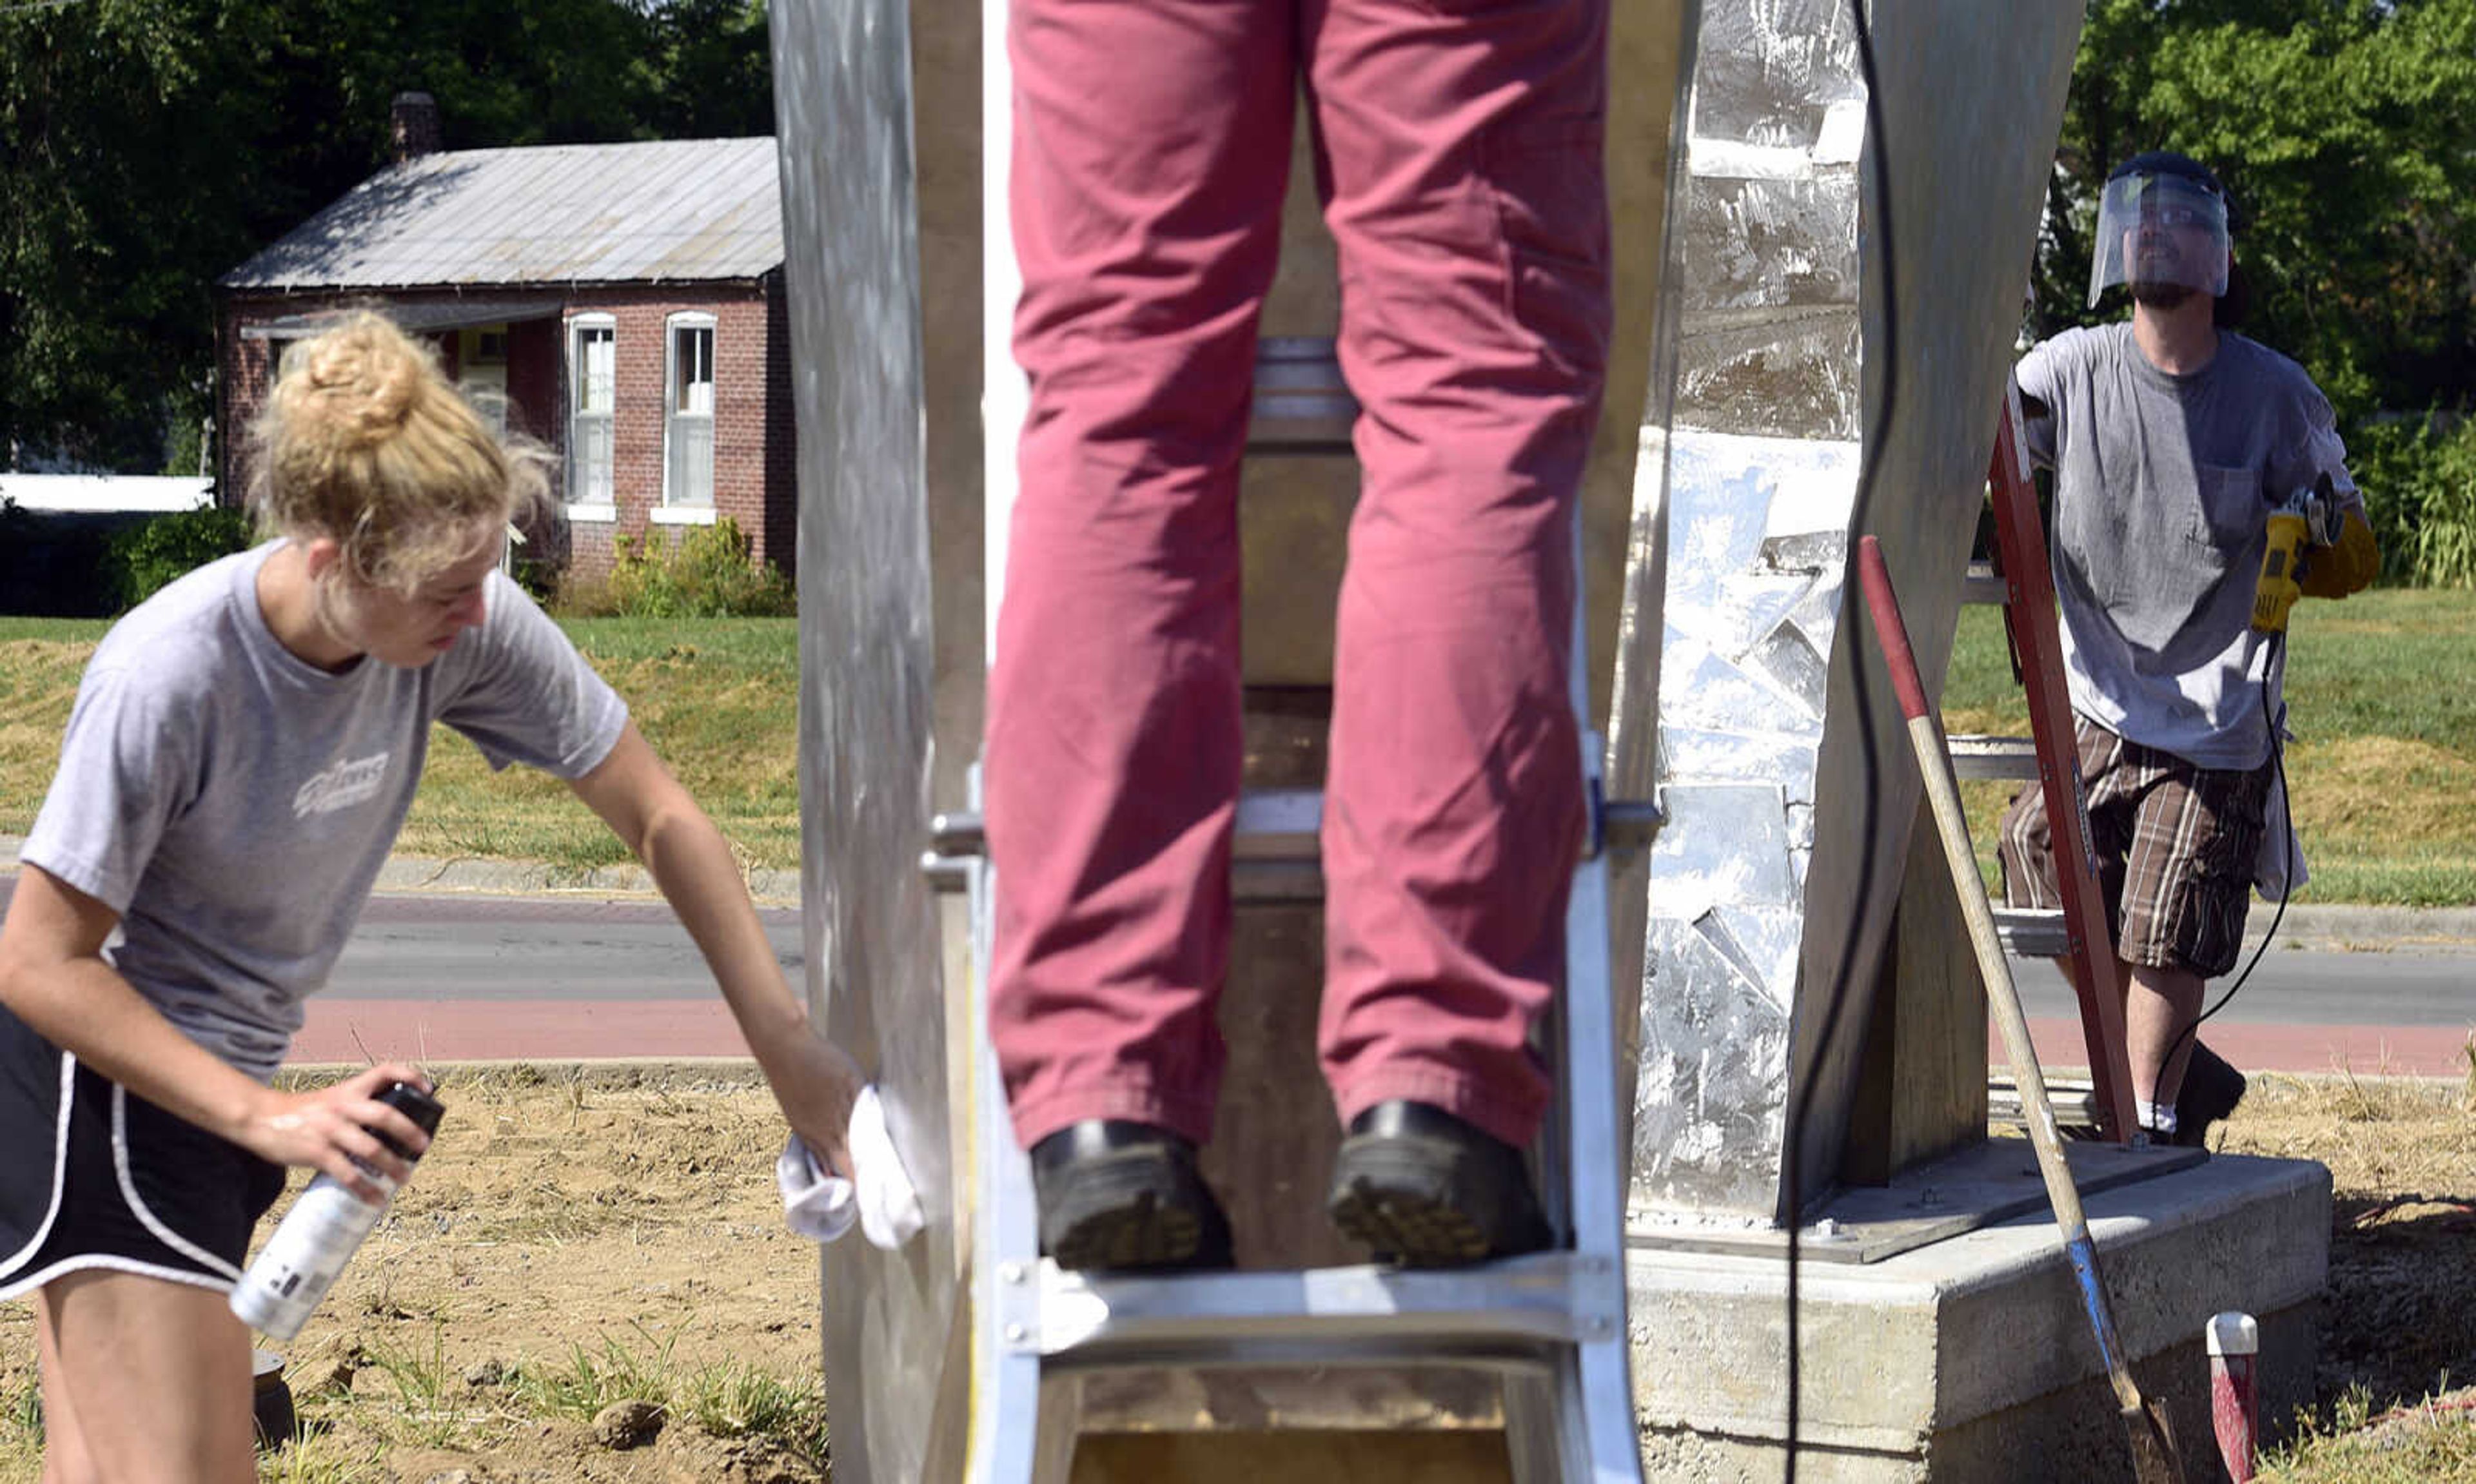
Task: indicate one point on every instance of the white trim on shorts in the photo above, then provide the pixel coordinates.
(59, 1175)
(104, 1260)
(111, 1262)
(129, 1193)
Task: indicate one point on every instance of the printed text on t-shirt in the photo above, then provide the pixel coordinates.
(340, 786)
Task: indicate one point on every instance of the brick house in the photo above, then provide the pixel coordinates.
(624, 299)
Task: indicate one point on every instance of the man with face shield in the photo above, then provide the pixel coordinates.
(2174, 440)
(2162, 227)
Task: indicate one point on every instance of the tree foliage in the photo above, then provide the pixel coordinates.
(148, 146)
(2345, 131)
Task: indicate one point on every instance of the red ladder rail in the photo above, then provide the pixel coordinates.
(2029, 615)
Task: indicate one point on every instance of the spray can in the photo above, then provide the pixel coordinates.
(310, 1246)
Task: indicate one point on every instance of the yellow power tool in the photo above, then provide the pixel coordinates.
(2296, 526)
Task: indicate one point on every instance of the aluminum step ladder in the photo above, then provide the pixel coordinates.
(2022, 582)
(1550, 1325)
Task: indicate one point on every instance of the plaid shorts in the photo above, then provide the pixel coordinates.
(2176, 844)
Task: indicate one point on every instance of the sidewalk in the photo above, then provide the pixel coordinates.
(2326, 929)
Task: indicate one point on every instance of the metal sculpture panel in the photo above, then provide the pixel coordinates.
(1772, 883)
(843, 90)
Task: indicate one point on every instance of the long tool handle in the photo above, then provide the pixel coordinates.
(2002, 997)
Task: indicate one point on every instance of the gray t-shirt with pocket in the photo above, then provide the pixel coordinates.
(235, 804)
(2163, 488)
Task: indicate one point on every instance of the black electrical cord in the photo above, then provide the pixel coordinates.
(1869, 460)
(2287, 806)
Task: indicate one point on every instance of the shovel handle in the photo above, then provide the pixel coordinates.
(2002, 996)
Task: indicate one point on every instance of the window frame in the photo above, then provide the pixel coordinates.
(674, 509)
(573, 331)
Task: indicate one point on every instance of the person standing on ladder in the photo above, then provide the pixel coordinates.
(1457, 150)
(2174, 439)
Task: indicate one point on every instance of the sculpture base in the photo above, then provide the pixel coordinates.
(1970, 1357)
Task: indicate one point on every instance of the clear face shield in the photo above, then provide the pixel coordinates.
(2158, 229)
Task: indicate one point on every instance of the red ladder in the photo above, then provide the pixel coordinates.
(2079, 932)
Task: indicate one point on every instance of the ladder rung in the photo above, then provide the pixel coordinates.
(1985, 585)
(1273, 852)
(2073, 1099)
(1356, 1315)
(1301, 405)
(2029, 932)
(1994, 757)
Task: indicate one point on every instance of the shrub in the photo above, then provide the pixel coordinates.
(2418, 475)
(705, 574)
(142, 559)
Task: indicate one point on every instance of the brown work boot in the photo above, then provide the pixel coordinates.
(1425, 1189)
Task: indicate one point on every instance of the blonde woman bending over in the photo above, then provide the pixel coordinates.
(242, 752)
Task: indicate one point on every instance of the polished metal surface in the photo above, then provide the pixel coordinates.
(843, 90)
(658, 209)
(1778, 755)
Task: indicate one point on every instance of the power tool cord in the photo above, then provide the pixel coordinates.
(2287, 809)
(1801, 1099)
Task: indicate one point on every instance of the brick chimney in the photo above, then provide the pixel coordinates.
(413, 124)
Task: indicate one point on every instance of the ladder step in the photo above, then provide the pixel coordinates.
(1356, 1315)
(1301, 404)
(2074, 1101)
(1273, 852)
(2030, 933)
(1994, 757)
(1985, 585)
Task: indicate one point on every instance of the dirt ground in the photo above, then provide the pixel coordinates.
(578, 1239)
(570, 1239)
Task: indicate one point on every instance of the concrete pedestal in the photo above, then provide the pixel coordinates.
(1969, 1358)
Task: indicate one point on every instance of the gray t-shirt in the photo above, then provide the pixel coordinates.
(233, 803)
(2163, 485)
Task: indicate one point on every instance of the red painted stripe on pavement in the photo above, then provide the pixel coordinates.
(502, 1029)
(555, 1029)
(2367, 1051)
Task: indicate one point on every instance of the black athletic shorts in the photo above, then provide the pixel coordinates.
(91, 1177)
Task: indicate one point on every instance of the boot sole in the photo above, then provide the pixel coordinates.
(1412, 1230)
(1426, 1203)
(1134, 1212)
(1143, 1234)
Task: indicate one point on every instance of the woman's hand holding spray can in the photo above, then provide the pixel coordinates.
(310, 1246)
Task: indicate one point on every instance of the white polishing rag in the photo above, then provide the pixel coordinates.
(821, 1205)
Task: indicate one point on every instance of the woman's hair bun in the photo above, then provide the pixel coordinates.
(363, 441)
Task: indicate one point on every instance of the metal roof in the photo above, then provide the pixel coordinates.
(659, 210)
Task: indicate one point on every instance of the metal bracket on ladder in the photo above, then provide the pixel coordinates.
(2077, 933)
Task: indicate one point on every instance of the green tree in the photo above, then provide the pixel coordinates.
(147, 146)
(2345, 131)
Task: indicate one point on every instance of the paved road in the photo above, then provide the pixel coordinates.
(453, 977)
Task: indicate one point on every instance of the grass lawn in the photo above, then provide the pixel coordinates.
(718, 699)
(2381, 693)
(2383, 769)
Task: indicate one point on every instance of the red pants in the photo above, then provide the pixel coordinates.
(1459, 159)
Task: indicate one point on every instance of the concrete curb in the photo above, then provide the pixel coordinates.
(2323, 929)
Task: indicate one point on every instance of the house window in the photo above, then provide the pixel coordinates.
(687, 432)
(593, 379)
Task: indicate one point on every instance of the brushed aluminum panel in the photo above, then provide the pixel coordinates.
(843, 98)
(1775, 763)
